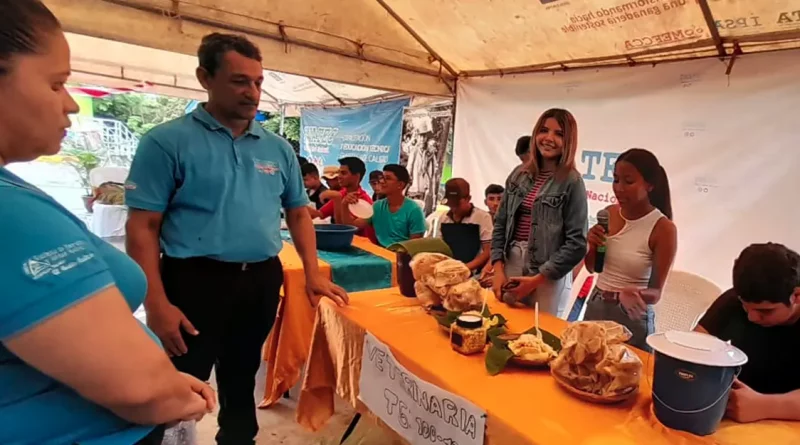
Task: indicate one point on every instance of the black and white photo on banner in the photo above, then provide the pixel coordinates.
(426, 135)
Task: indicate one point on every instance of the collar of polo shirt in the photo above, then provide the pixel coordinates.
(212, 124)
(471, 211)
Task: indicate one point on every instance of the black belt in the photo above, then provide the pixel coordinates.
(224, 265)
(607, 295)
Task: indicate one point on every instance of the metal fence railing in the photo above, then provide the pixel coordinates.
(111, 140)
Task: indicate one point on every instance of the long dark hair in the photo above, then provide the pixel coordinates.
(651, 170)
(21, 25)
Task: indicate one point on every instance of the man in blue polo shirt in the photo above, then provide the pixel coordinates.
(207, 190)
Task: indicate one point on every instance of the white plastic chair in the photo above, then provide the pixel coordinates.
(684, 300)
(577, 284)
(432, 225)
(100, 175)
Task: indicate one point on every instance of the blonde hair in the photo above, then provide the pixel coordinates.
(566, 163)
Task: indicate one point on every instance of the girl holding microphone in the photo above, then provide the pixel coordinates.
(640, 246)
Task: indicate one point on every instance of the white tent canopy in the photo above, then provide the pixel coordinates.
(422, 46)
(121, 65)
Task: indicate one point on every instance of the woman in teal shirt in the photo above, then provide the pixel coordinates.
(75, 365)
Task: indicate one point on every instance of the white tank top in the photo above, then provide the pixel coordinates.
(629, 259)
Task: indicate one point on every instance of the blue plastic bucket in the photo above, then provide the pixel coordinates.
(334, 236)
(692, 379)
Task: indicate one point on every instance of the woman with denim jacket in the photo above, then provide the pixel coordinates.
(640, 246)
(540, 228)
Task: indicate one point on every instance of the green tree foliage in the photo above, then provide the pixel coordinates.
(140, 112)
(291, 128)
(82, 161)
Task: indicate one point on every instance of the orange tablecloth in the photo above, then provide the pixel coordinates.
(523, 406)
(287, 346)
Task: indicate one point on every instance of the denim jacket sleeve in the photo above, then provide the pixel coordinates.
(501, 222)
(575, 245)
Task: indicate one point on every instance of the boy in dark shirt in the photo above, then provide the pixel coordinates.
(523, 149)
(493, 195)
(760, 316)
(313, 184)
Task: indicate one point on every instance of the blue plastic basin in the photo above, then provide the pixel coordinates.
(334, 236)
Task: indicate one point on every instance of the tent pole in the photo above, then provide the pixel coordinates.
(273, 98)
(712, 27)
(737, 50)
(327, 91)
(418, 38)
(283, 120)
(452, 127)
(573, 64)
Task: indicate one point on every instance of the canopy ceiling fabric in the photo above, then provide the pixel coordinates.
(421, 46)
(135, 68)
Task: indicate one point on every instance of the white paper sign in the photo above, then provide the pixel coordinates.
(420, 412)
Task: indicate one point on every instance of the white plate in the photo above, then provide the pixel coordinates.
(696, 347)
(362, 209)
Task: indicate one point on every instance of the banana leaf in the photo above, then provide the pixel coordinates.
(497, 322)
(498, 355)
(449, 317)
(446, 318)
(496, 330)
(497, 359)
(548, 338)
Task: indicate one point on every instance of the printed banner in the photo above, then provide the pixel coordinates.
(369, 132)
(420, 412)
(426, 137)
(731, 185)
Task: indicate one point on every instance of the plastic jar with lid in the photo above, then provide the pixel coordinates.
(468, 334)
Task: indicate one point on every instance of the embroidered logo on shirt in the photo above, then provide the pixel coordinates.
(267, 167)
(130, 185)
(37, 269)
(57, 261)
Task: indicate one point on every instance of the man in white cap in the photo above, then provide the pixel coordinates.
(331, 176)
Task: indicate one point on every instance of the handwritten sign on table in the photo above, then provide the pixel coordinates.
(417, 410)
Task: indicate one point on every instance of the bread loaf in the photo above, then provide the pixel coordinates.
(464, 296)
(423, 263)
(450, 273)
(426, 296)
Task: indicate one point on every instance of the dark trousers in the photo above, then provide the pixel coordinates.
(233, 307)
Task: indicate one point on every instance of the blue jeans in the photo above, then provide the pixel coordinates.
(552, 296)
(599, 309)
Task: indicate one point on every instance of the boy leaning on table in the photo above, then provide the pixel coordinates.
(761, 316)
(395, 218)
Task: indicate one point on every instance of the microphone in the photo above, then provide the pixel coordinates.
(600, 254)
